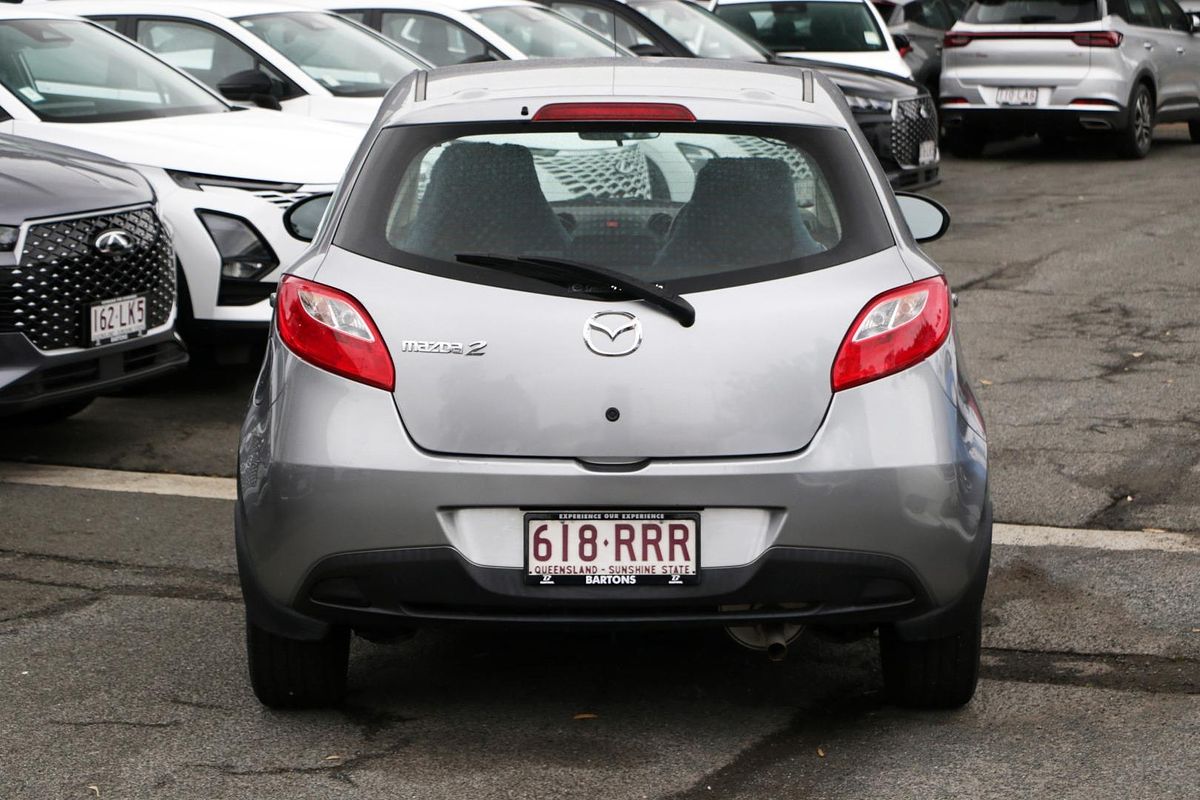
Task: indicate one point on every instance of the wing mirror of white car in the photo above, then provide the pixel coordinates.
(1194, 22)
(304, 217)
(926, 218)
(250, 86)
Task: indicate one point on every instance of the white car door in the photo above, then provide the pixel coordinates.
(1181, 51)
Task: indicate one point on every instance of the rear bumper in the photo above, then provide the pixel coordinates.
(341, 519)
(385, 590)
(31, 378)
(998, 123)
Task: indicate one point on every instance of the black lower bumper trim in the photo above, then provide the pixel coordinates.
(48, 378)
(1001, 123)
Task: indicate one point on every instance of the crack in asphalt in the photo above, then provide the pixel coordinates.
(124, 723)
(182, 572)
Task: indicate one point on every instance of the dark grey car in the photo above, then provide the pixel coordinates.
(87, 280)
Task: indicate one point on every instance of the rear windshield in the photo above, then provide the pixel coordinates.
(693, 206)
(1007, 12)
(813, 27)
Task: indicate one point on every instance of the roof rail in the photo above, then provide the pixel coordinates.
(419, 90)
(808, 86)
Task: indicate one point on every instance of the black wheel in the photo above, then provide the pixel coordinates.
(290, 673)
(1134, 141)
(1194, 130)
(50, 414)
(965, 144)
(938, 673)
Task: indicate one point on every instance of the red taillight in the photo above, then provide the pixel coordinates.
(951, 101)
(1081, 38)
(905, 50)
(894, 331)
(614, 112)
(1097, 38)
(331, 330)
(1094, 101)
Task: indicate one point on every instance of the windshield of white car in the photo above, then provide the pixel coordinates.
(689, 206)
(702, 33)
(74, 71)
(1008, 12)
(815, 27)
(336, 53)
(542, 33)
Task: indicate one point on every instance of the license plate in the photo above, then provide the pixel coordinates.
(1017, 96)
(612, 548)
(117, 320)
(928, 153)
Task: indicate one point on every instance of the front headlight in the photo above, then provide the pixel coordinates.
(245, 255)
(858, 101)
(8, 238)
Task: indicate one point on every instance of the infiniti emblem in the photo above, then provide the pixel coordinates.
(612, 333)
(114, 242)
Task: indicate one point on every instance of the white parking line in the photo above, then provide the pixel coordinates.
(109, 480)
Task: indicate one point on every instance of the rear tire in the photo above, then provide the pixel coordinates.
(1194, 130)
(1134, 141)
(932, 674)
(965, 144)
(291, 673)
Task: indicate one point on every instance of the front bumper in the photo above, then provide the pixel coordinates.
(31, 378)
(880, 132)
(341, 519)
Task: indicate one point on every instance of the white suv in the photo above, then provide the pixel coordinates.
(1068, 67)
(223, 175)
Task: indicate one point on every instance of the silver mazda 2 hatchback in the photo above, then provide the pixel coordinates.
(584, 344)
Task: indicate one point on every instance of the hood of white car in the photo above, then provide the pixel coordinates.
(358, 111)
(254, 144)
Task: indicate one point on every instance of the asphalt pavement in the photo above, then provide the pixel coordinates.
(121, 649)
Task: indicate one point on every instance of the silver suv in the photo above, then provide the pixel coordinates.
(1064, 67)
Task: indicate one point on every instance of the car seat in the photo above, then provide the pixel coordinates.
(743, 212)
(485, 198)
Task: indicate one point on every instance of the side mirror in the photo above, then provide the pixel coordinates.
(903, 43)
(926, 218)
(249, 86)
(304, 216)
(647, 50)
(1194, 22)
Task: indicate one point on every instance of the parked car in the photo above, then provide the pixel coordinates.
(897, 116)
(275, 55)
(917, 28)
(448, 32)
(223, 175)
(1062, 68)
(846, 32)
(413, 457)
(87, 280)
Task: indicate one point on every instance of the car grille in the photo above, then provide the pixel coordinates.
(59, 274)
(913, 121)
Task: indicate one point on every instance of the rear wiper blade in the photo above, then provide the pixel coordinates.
(556, 270)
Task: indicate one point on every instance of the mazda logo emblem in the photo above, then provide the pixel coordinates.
(114, 242)
(612, 333)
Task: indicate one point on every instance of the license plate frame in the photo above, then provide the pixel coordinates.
(608, 519)
(118, 329)
(1017, 96)
(927, 152)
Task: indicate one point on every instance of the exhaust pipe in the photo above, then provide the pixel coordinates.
(777, 642)
(771, 638)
